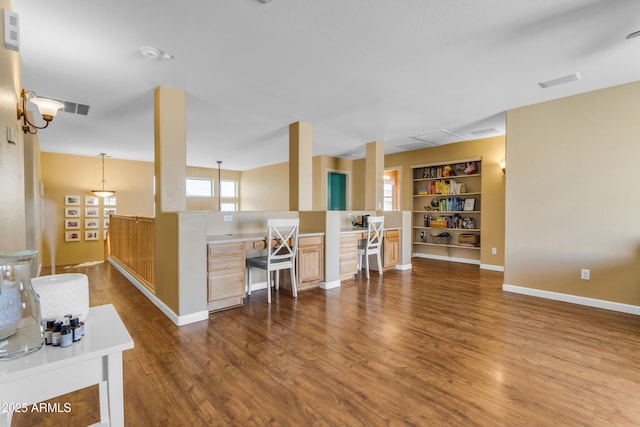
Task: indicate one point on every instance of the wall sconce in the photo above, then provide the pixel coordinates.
(48, 109)
(503, 166)
(103, 192)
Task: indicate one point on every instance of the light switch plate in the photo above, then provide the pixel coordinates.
(11, 135)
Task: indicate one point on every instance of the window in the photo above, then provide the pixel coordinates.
(228, 189)
(391, 186)
(228, 195)
(199, 187)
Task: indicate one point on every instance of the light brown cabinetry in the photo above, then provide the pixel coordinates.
(391, 249)
(349, 255)
(309, 263)
(226, 273)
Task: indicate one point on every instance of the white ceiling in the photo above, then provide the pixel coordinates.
(358, 70)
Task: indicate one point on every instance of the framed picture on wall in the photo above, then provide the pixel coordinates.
(104, 236)
(91, 235)
(110, 201)
(109, 211)
(71, 236)
(71, 212)
(91, 212)
(70, 200)
(90, 223)
(105, 223)
(91, 201)
(71, 224)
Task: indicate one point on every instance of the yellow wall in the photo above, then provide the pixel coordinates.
(265, 188)
(572, 199)
(492, 151)
(64, 174)
(12, 208)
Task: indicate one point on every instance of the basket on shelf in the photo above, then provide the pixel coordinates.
(469, 239)
(439, 239)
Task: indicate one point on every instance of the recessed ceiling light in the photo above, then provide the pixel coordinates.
(560, 80)
(155, 54)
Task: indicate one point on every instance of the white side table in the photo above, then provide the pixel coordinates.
(53, 371)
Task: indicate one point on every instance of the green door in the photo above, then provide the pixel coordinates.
(337, 192)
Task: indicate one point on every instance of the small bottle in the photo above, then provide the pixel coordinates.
(75, 329)
(66, 337)
(48, 332)
(56, 334)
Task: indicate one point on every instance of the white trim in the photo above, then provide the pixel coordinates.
(573, 299)
(492, 267)
(404, 266)
(178, 320)
(329, 285)
(447, 258)
(258, 286)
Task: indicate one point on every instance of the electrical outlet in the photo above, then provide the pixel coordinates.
(494, 251)
(228, 218)
(585, 274)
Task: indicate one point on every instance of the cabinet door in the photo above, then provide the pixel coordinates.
(309, 264)
(391, 252)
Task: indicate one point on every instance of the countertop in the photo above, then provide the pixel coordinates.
(248, 237)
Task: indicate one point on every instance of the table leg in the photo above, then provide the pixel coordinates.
(111, 392)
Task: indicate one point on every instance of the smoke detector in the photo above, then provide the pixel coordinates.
(155, 54)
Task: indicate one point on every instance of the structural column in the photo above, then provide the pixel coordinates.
(374, 176)
(170, 154)
(300, 167)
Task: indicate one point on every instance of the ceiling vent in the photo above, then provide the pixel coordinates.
(485, 132)
(560, 80)
(73, 107)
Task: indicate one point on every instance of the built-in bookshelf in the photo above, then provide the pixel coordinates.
(447, 206)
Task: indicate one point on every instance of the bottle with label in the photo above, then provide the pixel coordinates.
(55, 335)
(66, 337)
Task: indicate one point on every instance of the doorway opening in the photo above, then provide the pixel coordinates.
(337, 191)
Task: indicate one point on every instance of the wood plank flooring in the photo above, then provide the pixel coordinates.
(436, 346)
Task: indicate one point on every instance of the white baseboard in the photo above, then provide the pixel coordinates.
(403, 266)
(574, 299)
(178, 320)
(447, 258)
(492, 267)
(329, 285)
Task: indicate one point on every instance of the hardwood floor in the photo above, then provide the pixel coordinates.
(439, 345)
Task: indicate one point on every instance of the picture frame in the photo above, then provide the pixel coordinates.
(104, 234)
(91, 235)
(71, 224)
(91, 201)
(110, 201)
(72, 236)
(91, 212)
(91, 223)
(105, 223)
(71, 200)
(71, 212)
(469, 204)
(109, 211)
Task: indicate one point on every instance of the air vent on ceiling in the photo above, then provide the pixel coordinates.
(73, 107)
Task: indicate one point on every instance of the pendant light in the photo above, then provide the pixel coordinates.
(103, 192)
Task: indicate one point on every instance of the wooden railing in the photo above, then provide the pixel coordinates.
(131, 243)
